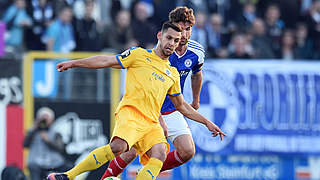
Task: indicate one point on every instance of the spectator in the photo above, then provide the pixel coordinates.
(79, 9)
(260, 42)
(42, 14)
(287, 50)
(199, 31)
(240, 48)
(187, 3)
(222, 53)
(313, 21)
(274, 25)
(59, 5)
(161, 10)
(87, 35)
(305, 6)
(143, 30)
(248, 15)
(304, 44)
(219, 7)
(59, 36)
(216, 34)
(120, 35)
(4, 4)
(16, 19)
(46, 147)
(116, 6)
(12, 173)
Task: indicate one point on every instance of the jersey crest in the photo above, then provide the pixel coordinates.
(188, 62)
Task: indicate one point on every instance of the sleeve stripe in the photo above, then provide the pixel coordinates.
(197, 48)
(174, 94)
(195, 44)
(117, 56)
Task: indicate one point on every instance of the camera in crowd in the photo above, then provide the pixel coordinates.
(43, 125)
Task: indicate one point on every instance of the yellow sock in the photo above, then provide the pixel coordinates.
(94, 160)
(150, 170)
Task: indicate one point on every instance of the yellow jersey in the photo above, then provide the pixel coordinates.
(149, 79)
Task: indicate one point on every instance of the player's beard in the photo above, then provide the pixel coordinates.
(183, 41)
(165, 51)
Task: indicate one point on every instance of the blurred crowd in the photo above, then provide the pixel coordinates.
(246, 29)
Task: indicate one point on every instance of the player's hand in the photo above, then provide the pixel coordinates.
(64, 66)
(195, 105)
(215, 130)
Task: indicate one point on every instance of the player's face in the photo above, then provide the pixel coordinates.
(186, 32)
(169, 41)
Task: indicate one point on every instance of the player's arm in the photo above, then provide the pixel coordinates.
(190, 113)
(196, 84)
(94, 62)
(164, 126)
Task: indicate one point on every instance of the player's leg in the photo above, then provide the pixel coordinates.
(157, 156)
(98, 157)
(117, 165)
(152, 150)
(94, 160)
(183, 153)
(180, 134)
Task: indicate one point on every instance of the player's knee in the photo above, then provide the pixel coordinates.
(130, 156)
(159, 153)
(187, 153)
(118, 147)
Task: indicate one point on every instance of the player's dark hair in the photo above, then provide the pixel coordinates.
(168, 24)
(182, 14)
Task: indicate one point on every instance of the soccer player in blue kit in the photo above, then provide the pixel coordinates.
(189, 56)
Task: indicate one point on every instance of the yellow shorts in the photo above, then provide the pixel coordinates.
(138, 131)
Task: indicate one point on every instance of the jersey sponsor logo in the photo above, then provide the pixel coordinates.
(158, 77)
(188, 62)
(184, 73)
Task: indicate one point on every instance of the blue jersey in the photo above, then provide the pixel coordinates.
(191, 60)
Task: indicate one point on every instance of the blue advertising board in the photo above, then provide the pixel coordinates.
(263, 106)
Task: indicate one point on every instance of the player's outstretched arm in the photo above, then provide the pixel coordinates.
(94, 62)
(190, 113)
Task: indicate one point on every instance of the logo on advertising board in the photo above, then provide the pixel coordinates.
(79, 134)
(218, 104)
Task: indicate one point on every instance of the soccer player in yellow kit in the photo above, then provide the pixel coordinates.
(149, 79)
